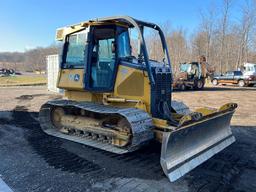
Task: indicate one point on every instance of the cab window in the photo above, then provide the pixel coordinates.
(124, 47)
(153, 44)
(75, 50)
(103, 58)
(134, 36)
(184, 67)
(238, 73)
(229, 73)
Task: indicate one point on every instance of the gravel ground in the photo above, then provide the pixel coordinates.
(34, 161)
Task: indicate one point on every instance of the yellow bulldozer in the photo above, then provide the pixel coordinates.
(119, 102)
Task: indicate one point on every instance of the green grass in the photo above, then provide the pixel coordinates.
(22, 80)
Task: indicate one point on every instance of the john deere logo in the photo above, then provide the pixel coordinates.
(73, 77)
(76, 77)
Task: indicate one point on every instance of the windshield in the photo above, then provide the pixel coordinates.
(251, 68)
(75, 50)
(153, 44)
(184, 67)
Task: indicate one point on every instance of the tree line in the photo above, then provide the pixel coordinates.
(226, 41)
(30, 60)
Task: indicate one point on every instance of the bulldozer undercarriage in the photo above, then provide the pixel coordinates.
(105, 127)
(114, 130)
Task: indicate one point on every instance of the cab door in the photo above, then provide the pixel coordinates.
(73, 61)
(102, 61)
(228, 77)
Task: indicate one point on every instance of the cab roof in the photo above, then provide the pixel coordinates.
(125, 21)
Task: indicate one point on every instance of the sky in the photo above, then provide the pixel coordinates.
(26, 24)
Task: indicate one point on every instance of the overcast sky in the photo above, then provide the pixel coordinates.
(25, 24)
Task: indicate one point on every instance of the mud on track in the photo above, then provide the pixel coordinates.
(34, 161)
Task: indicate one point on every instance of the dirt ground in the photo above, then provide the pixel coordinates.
(245, 97)
(33, 161)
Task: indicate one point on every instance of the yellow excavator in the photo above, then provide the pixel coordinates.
(119, 102)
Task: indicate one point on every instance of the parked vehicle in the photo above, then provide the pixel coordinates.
(193, 75)
(249, 72)
(234, 77)
(6, 72)
(2, 74)
(189, 76)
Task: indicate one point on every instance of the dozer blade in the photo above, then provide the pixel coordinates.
(187, 147)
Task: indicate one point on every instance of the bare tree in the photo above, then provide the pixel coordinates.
(199, 43)
(247, 23)
(207, 26)
(34, 59)
(223, 30)
(178, 46)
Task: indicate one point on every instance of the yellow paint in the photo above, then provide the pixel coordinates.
(133, 84)
(61, 33)
(216, 115)
(83, 96)
(185, 119)
(206, 111)
(160, 123)
(66, 79)
(228, 106)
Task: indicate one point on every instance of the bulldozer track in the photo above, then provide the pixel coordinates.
(62, 154)
(140, 122)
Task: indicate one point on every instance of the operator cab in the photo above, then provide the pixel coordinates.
(96, 50)
(193, 69)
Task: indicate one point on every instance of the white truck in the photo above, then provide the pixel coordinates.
(249, 73)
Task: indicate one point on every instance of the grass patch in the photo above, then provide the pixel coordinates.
(23, 80)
